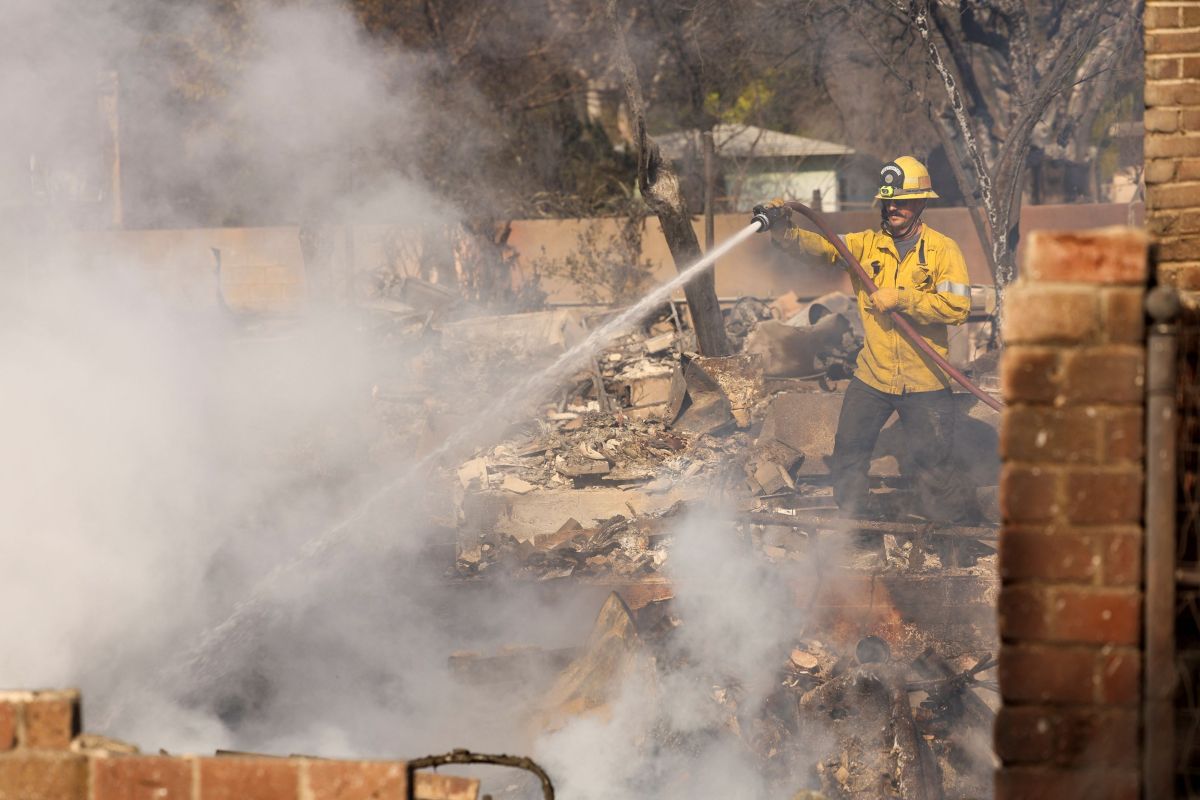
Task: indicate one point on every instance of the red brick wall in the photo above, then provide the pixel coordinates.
(42, 757)
(1173, 138)
(1071, 506)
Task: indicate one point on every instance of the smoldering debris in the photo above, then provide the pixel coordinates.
(588, 490)
(594, 489)
(838, 722)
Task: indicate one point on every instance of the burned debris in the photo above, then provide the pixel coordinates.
(883, 690)
(852, 721)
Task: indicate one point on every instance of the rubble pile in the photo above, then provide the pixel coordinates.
(877, 696)
(588, 448)
(620, 546)
(651, 426)
(846, 724)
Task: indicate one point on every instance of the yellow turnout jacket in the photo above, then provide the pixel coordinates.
(934, 290)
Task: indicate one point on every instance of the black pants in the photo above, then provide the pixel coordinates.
(927, 420)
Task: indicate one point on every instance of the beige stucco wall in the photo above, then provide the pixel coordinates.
(262, 269)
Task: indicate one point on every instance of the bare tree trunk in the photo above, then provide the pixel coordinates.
(982, 231)
(660, 188)
(1002, 262)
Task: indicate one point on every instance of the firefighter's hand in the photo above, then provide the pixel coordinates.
(887, 299)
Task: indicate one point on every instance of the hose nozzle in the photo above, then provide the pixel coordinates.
(766, 215)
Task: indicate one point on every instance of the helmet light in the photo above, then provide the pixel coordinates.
(891, 179)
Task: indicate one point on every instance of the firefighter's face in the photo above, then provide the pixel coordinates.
(900, 214)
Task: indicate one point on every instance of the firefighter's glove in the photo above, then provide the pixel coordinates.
(888, 299)
(773, 212)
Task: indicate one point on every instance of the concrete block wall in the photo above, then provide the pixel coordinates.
(43, 757)
(1172, 145)
(1071, 507)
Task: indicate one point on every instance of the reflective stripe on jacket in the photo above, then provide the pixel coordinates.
(935, 292)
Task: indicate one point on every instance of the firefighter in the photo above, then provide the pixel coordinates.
(920, 273)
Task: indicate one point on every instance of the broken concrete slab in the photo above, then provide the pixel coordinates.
(707, 394)
(549, 541)
(698, 403)
(659, 344)
(526, 516)
(474, 472)
(649, 391)
(801, 423)
(770, 478)
(515, 485)
(582, 468)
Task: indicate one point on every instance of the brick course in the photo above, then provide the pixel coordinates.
(41, 758)
(1172, 121)
(242, 778)
(8, 726)
(142, 778)
(50, 722)
(42, 775)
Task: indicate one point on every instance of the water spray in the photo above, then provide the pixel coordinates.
(763, 221)
(521, 396)
(200, 659)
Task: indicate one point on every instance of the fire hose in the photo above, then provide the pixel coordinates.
(905, 327)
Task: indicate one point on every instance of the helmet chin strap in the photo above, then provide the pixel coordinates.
(903, 233)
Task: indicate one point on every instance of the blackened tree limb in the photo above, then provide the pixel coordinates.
(966, 186)
(660, 188)
(981, 109)
(1002, 260)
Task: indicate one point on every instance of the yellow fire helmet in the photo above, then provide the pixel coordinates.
(905, 179)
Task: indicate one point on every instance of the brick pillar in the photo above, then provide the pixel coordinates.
(1071, 507)
(42, 757)
(1173, 138)
(36, 760)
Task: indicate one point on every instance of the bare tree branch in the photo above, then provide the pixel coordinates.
(1001, 257)
(660, 188)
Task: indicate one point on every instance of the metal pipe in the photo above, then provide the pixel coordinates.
(1158, 689)
(467, 757)
(903, 324)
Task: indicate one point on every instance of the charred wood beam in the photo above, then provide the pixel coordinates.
(871, 526)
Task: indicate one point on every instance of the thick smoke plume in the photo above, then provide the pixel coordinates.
(161, 462)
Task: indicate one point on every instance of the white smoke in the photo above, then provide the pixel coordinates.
(739, 619)
(160, 462)
(159, 459)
